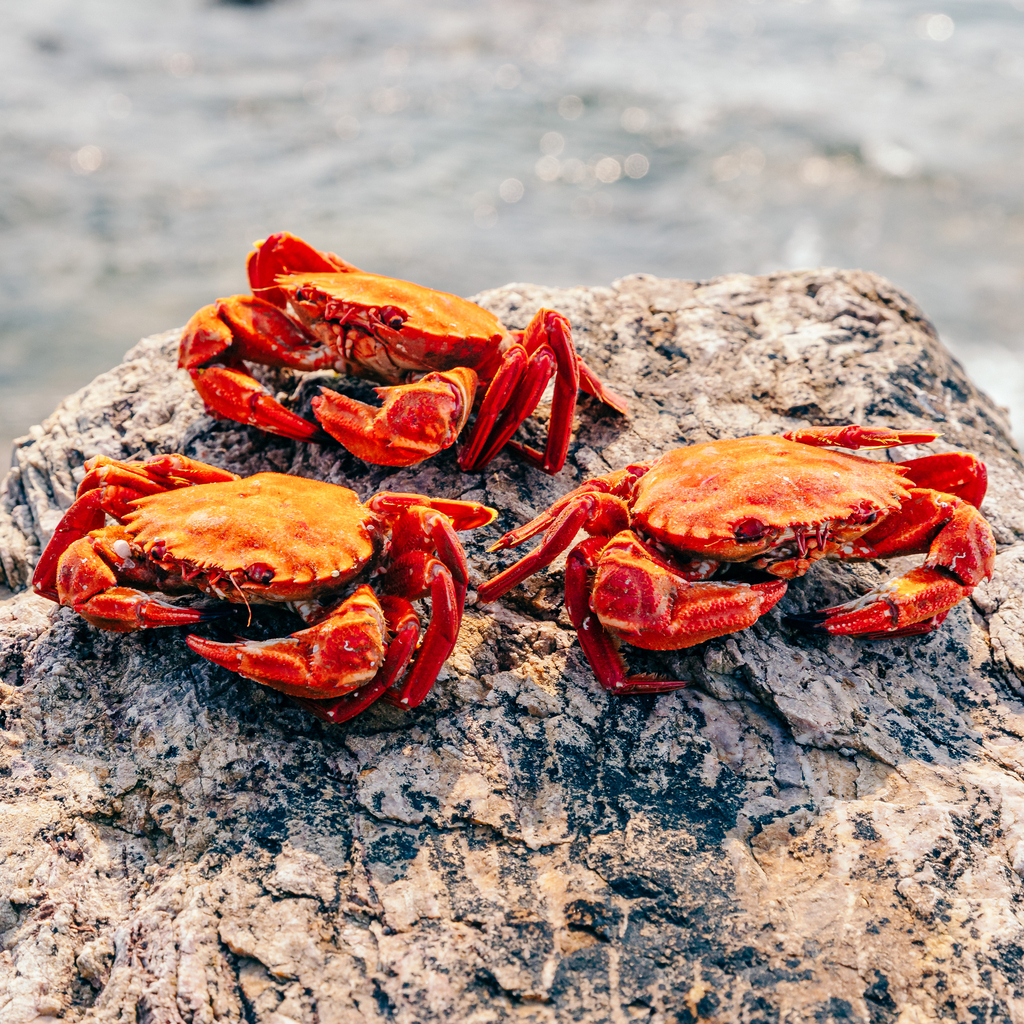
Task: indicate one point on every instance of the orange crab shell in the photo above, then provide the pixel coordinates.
(439, 331)
(312, 537)
(692, 499)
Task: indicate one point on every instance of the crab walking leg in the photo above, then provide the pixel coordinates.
(597, 643)
(591, 383)
(155, 475)
(438, 641)
(415, 421)
(415, 572)
(594, 511)
(404, 627)
(857, 437)
(961, 553)
(465, 515)
(516, 390)
(339, 654)
(417, 536)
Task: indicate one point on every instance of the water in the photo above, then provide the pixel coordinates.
(465, 145)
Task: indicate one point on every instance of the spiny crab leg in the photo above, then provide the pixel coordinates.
(961, 553)
(516, 389)
(414, 422)
(594, 511)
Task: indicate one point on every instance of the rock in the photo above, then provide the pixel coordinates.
(816, 829)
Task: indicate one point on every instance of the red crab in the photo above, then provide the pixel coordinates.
(661, 530)
(270, 539)
(311, 310)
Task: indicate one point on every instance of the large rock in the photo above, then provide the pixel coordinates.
(817, 829)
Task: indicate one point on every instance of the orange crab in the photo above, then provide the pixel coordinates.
(270, 539)
(661, 531)
(311, 310)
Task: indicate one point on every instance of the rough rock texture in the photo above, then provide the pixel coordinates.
(818, 829)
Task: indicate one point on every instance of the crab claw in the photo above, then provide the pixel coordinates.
(415, 421)
(285, 253)
(333, 658)
(916, 602)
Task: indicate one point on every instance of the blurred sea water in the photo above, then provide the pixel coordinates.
(467, 144)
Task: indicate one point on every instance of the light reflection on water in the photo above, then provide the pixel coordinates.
(465, 145)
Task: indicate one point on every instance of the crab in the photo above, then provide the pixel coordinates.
(660, 532)
(311, 310)
(271, 539)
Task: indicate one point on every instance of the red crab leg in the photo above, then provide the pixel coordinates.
(594, 511)
(590, 383)
(285, 253)
(465, 515)
(518, 386)
(414, 422)
(961, 553)
(245, 327)
(415, 571)
(438, 641)
(856, 437)
(236, 395)
(336, 656)
(404, 625)
(958, 473)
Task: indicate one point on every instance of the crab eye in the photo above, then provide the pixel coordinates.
(300, 295)
(748, 530)
(393, 317)
(864, 514)
(259, 572)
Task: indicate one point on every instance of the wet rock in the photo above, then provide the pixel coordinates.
(824, 829)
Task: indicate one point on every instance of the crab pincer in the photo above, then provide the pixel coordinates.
(350, 570)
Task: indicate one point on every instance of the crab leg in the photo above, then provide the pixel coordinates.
(594, 511)
(958, 473)
(857, 437)
(415, 421)
(415, 572)
(516, 390)
(465, 515)
(961, 553)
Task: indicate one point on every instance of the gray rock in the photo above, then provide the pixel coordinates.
(816, 829)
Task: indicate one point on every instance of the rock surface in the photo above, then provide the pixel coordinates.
(817, 829)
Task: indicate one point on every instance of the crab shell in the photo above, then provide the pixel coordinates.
(734, 500)
(269, 537)
(413, 329)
